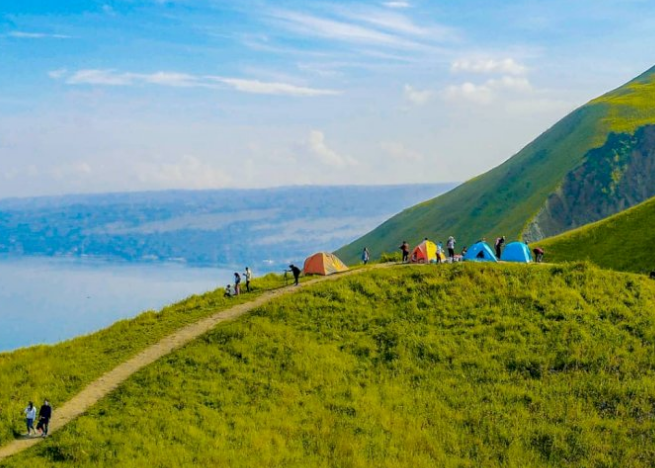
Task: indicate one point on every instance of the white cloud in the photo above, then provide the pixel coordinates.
(317, 147)
(397, 4)
(479, 94)
(416, 96)
(36, 35)
(188, 172)
(401, 152)
(506, 66)
(487, 92)
(184, 80)
(262, 87)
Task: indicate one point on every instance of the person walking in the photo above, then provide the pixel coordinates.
(500, 241)
(30, 416)
(237, 283)
(450, 245)
(248, 276)
(296, 273)
(45, 413)
(404, 247)
(366, 255)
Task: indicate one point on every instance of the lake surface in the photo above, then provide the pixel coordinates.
(47, 300)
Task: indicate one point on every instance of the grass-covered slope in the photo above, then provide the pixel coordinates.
(60, 371)
(505, 200)
(457, 366)
(624, 241)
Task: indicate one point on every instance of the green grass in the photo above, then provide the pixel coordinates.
(60, 371)
(506, 199)
(464, 365)
(621, 242)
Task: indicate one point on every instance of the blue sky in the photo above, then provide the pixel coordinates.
(156, 94)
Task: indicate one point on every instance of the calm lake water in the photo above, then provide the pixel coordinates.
(50, 300)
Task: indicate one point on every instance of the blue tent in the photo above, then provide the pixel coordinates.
(516, 252)
(480, 252)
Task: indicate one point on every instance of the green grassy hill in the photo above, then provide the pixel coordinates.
(463, 365)
(621, 242)
(523, 196)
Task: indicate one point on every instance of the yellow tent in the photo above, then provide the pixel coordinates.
(323, 264)
(425, 252)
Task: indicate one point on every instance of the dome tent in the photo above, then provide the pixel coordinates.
(517, 252)
(323, 264)
(480, 252)
(425, 252)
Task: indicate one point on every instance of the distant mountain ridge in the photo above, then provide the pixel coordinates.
(552, 185)
(264, 228)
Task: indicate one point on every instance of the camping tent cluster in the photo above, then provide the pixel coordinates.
(516, 252)
(324, 264)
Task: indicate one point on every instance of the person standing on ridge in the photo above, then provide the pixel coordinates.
(45, 413)
(450, 245)
(248, 276)
(296, 273)
(366, 255)
(30, 416)
(404, 247)
(500, 241)
(237, 283)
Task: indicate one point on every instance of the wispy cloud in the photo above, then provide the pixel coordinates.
(507, 66)
(344, 31)
(488, 91)
(318, 147)
(398, 4)
(36, 35)
(416, 96)
(400, 152)
(184, 80)
(261, 87)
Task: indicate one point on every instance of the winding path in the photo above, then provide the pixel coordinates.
(108, 382)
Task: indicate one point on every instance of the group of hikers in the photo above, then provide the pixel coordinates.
(44, 415)
(236, 289)
(450, 247)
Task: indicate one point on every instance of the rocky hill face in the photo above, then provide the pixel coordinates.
(593, 163)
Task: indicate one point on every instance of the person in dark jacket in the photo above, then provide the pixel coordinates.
(45, 413)
(500, 241)
(652, 274)
(296, 273)
(404, 247)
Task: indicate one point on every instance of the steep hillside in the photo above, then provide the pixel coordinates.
(621, 242)
(523, 196)
(460, 366)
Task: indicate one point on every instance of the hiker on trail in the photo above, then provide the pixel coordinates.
(237, 283)
(248, 276)
(228, 291)
(296, 273)
(538, 254)
(500, 241)
(30, 416)
(404, 247)
(45, 413)
(366, 255)
(450, 245)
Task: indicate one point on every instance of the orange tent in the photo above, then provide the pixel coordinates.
(323, 264)
(425, 252)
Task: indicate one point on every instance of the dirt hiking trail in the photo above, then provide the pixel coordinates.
(108, 382)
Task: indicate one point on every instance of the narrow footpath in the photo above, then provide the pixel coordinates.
(108, 382)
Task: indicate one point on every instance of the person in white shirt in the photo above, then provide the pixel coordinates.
(248, 276)
(30, 416)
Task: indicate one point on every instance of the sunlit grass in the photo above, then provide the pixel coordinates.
(451, 366)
